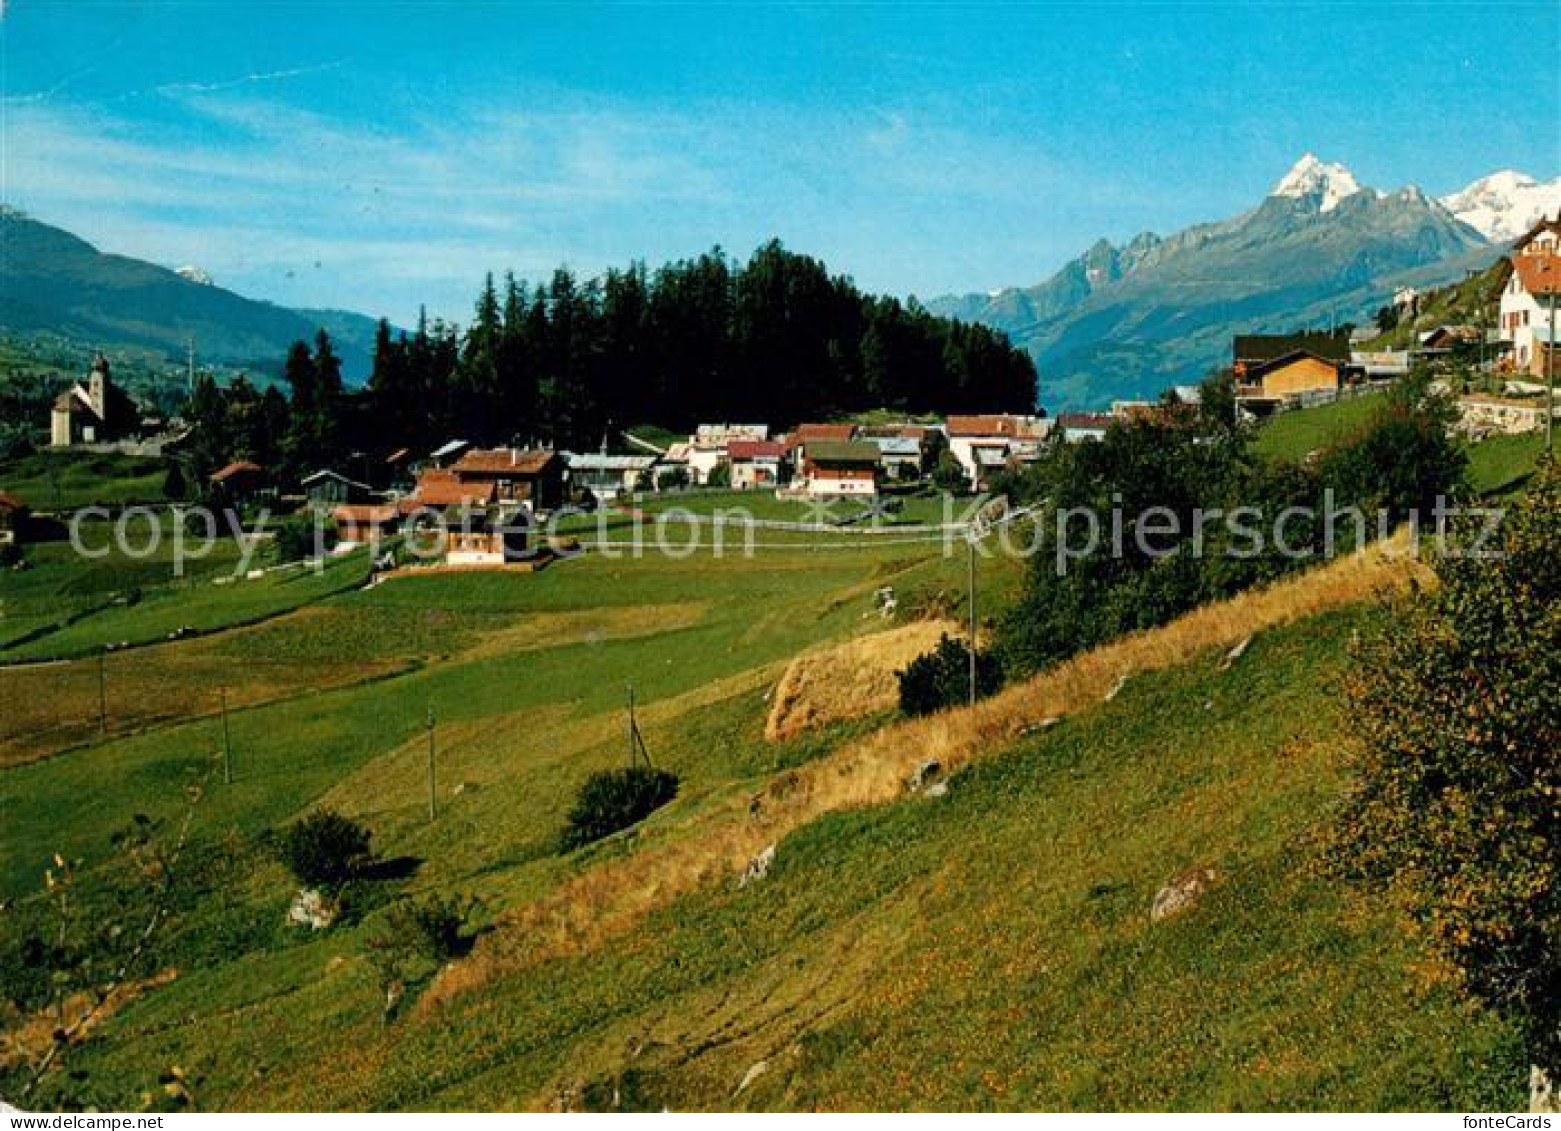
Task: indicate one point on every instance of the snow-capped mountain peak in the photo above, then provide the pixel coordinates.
(193, 274)
(1504, 205)
(1310, 177)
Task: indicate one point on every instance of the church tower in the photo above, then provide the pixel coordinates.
(97, 387)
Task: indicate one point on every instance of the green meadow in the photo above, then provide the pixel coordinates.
(988, 949)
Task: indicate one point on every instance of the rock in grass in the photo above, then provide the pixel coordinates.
(755, 1070)
(1181, 893)
(758, 867)
(938, 789)
(1235, 654)
(925, 771)
(311, 909)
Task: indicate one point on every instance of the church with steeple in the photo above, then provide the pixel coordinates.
(98, 412)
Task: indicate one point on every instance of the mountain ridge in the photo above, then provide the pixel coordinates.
(53, 280)
(1320, 249)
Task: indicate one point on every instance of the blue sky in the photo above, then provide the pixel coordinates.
(375, 156)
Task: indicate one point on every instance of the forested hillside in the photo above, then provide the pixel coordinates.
(775, 340)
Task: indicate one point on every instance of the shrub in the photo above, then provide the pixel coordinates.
(301, 537)
(672, 479)
(948, 474)
(325, 848)
(941, 678)
(431, 928)
(615, 799)
(720, 475)
(1403, 460)
(1454, 810)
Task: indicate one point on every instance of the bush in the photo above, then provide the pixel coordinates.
(949, 474)
(672, 479)
(431, 928)
(1454, 808)
(720, 475)
(615, 799)
(1403, 460)
(325, 848)
(941, 678)
(303, 537)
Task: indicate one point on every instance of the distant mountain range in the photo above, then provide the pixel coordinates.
(1129, 321)
(53, 281)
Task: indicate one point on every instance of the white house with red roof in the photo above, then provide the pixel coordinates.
(1529, 296)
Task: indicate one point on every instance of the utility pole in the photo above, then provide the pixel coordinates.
(637, 748)
(433, 797)
(227, 740)
(629, 723)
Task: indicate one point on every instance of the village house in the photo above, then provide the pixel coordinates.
(804, 434)
(486, 536)
(531, 476)
(899, 456)
(1272, 370)
(326, 489)
(985, 443)
(1076, 427)
(1532, 277)
(359, 523)
(95, 413)
(438, 488)
(13, 519)
(841, 468)
(1380, 365)
(1300, 375)
(706, 449)
(238, 481)
(756, 463)
(1248, 350)
(608, 476)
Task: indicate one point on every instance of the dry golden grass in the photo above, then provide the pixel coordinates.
(849, 680)
(611, 897)
(27, 1040)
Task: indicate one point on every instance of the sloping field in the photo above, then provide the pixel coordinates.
(987, 949)
(851, 680)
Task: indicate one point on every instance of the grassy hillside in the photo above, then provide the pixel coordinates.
(988, 949)
(1498, 465)
(1471, 301)
(66, 480)
(1294, 435)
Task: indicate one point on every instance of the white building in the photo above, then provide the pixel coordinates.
(1527, 296)
(707, 446)
(983, 443)
(607, 477)
(755, 463)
